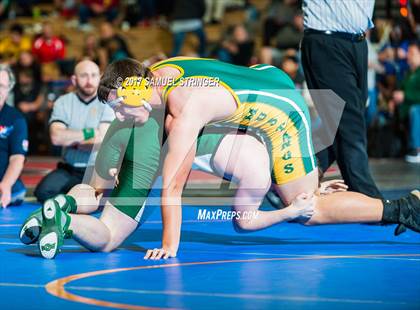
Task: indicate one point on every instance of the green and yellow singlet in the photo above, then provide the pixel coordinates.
(268, 105)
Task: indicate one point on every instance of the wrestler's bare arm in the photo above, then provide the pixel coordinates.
(190, 109)
(185, 125)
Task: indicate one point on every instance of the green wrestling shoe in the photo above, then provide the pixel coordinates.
(55, 223)
(31, 228)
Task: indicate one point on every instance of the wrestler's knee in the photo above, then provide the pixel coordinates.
(107, 245)
(100, 246)
(86, 199)
(112, 244)
(108, 248)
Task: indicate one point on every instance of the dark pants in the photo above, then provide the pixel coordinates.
(147, 9)
(341, 65)
(59, 181)
(271, 28)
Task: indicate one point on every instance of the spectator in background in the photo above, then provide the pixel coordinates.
(238, 47)
(27, 61)
(286, 38)
(91, 49)
(66, 8)
(279, 17)
(373, 68)
(128, 14)
(252, 15)
(48, 47)
(78, 121)
(13, 45)
(414, 17)
(164, 10)
(136, 13)
(116, 50)
(89, 8)
(387, 79)
(409, 99)
(290, 65)
(290, 35)
(28, 95)
(25, 7)
(111, 45)
(29, 99)
(4, 11)
(215, 10)
(147, 12)
(187, 17)
(399, 39)
(13, 144)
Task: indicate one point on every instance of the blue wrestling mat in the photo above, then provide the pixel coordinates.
(285, 267)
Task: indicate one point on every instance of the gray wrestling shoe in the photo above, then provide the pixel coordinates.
(404, 211)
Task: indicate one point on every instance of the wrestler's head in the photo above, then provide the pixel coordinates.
(118, 88)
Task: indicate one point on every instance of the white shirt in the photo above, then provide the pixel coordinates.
(351, 16)
(70, 110)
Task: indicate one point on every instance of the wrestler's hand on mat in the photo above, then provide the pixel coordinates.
(302, 207)
(161, 253)
(332, 186)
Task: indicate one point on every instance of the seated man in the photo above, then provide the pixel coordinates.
(13, 45)
(48, 47)
(409, 98)
(279, 118)
(29, 98)
(89, 8)
(13, 144)
(78, 121)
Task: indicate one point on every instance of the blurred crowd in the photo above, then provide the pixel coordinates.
(266, 35)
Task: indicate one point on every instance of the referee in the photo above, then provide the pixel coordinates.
(334, 56)
(78, 121)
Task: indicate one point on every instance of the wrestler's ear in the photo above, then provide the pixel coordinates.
(112, 93)
(73, 79)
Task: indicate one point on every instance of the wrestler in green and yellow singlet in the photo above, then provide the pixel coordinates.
(268, 105)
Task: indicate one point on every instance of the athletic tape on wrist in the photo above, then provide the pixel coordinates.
(88, 133)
